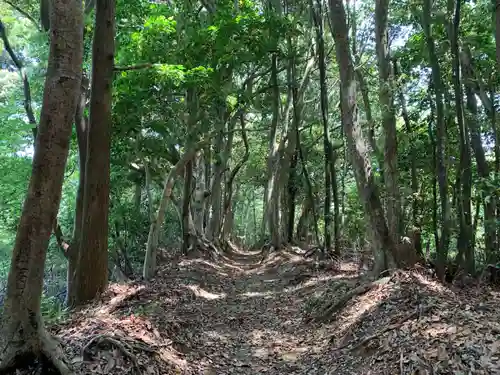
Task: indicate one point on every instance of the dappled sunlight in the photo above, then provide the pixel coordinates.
(187, 263)
(214, 335)
(258, 294)
(272, 343)
(433, 285)
(199, 292)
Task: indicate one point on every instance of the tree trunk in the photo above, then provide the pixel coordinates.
(91, 276)
(483, 169)
(442, 178)
(23, 336)
(149, 266)
(413, 154)
(228, 210)
(465, 255)
(388, 120)
(272, 199)
(81, 125)
(496, 4)
(186, 199)
(360, 157)
(318, 23)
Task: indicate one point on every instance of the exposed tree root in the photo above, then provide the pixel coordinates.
(326, 312)
(124, 347)
(202, 243)
(41, 352)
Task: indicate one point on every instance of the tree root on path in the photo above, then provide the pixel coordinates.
(326, 312)
(121, 344)
(202, 243)
(42, 351)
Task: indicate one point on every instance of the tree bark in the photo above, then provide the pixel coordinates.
(91, 276)
(442, 175)
(149, 266)
(465, 255)
(81, 125)
(23, 336)
(359, 154)
(386, 98)
(318, 25)
(483, 169)
(496, 4)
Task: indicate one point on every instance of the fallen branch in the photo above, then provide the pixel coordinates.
(331, 308)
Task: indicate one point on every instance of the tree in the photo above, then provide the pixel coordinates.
(23, 334)
(386, 98)
(359, 155)
(91, 273)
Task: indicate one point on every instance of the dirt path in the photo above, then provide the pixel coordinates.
(248, 322)
(234, 315)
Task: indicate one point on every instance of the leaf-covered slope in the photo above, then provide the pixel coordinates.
(238, 316)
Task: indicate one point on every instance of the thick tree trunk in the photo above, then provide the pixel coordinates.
(91, 276)
(23, 337)
(359, 154)
(388, 120)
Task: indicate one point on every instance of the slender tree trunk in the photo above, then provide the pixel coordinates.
(483, 168)
(496, 4)
(464, 244)
(23, 337)
(186, 199)
(228, 210)
(272, 199)
(149, 266)
(388, 120)
(413, 157)
(81, 125)
(318, 22)
(137, 196)
(91, 276)
(360, 157)
(442, 175)
(432, 143)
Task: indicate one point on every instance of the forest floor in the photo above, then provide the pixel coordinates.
(236, 315)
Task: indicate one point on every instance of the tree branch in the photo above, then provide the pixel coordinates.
(24, 14)
(22, 72)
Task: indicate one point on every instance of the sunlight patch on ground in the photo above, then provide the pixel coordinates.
(351, 316)
(257, 294)
(431, 284)
(170, 357)
(272, 343)
(214, 335)
(189, 262)
(199, 292)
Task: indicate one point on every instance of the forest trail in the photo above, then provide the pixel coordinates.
(235, 315)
